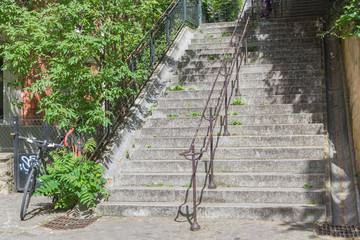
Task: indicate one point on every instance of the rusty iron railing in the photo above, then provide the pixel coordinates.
(226, 72)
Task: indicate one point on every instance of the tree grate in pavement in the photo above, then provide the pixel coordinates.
(345, 231)
(68, 223)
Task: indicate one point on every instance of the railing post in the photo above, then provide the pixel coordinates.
(211, 183)
(46, 131)
(246, 49)
(167, 27)
(194, 226)
(226, 130)
(152, 50)
(199, 12)
(16, 152)
(237, 91)
(184, 5)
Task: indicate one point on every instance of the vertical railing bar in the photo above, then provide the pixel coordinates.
(212, 185)
(16, 152)
(194, 226)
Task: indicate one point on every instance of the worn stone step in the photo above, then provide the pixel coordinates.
(244, 92)
(311, 152)
(251, 67)
(285, 71)
(256, 35)
(233, 110)
(200, 82)
(283, 212)
(232, 141)
(246, 165)
(208, 79)
(286, 52)
(260, 46)
(243, 130)
(253, 180)
(250, 100)
(294, 118)
(219, 195)
(252, 58)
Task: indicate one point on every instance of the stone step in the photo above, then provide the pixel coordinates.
(247, 165)
(294, 118)
(219, 195)
(183, 66)
(267, 91)
(243, 130)
(257, 41)
(191, 111)
(252, 58)
(311, 152)
(201, 82)
(268, 25)
(232, 141)
(292, 71)
(249, 100)
(269, 52)
(283, 212)
(253, 180)
(256, 35)
(261, 45)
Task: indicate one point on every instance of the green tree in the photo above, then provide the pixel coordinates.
(221, 10)
(76, 50)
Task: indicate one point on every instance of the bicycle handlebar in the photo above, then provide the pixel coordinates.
(43, 143)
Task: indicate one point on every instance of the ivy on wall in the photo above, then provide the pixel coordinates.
(345, 19)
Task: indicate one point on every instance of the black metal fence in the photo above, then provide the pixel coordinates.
(24, 153)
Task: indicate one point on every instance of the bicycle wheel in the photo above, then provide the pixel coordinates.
(28, 192)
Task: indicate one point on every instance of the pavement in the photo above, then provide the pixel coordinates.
(40, 212)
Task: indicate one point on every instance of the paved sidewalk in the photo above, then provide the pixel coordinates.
(140, 228)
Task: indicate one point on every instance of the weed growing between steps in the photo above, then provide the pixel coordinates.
(172, 115)
(178, 87)
(194, 114)
(238, 101)
(235, 122)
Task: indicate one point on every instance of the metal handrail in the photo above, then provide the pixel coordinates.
(226, 72)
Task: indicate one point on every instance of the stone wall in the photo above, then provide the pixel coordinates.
(351, 58)
(6, 173)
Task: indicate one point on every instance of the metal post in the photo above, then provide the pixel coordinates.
(194, 226)
(184, 5)
(246, 49)
(16, 152)
(226, 130)
(167, 27)
(237, 91)
(46, 131)
(211, 183)
(199, 12)
(152, 50)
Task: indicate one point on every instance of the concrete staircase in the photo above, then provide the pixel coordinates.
(271, 167)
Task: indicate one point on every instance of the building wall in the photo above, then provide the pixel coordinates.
(351, 58)
(10, 93)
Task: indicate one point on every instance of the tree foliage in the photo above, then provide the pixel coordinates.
(76, 51)
(345, 19)
(221, 10)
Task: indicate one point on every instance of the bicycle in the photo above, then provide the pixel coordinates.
(37, 168)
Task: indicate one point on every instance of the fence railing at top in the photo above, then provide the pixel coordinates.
(147, 55)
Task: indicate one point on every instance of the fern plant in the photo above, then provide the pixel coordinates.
(73, 179)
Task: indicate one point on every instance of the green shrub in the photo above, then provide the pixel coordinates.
(73, 180)
(178, 87)
(238, 101)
